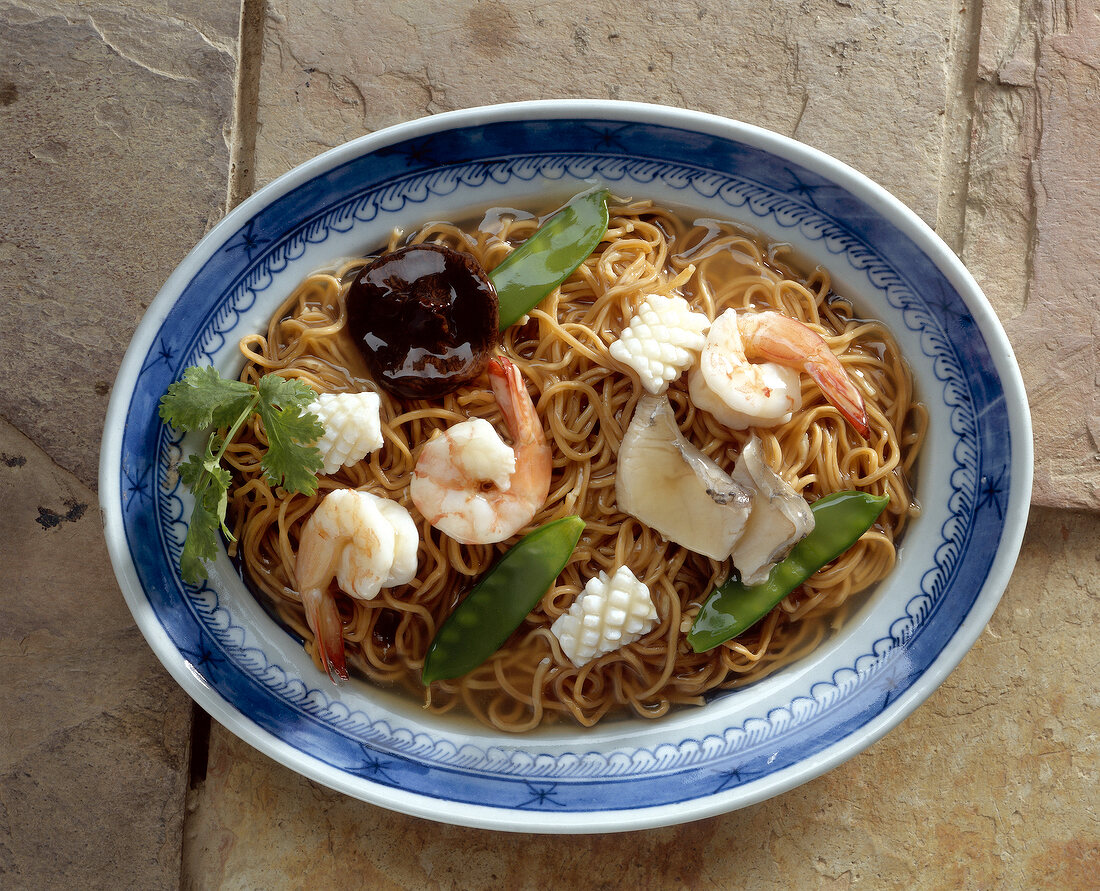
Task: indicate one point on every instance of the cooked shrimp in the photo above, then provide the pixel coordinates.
(367, 543)
(473, 487)
(742, 393)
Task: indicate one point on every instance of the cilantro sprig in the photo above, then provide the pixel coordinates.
(202, 399)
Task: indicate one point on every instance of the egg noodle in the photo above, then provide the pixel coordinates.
(585, 400)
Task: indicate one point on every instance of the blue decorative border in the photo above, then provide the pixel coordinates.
(771, 193)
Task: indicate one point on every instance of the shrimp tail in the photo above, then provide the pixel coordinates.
(787, 341)
(507, 383)
(515, 403)
(324, 619)
(842, 394)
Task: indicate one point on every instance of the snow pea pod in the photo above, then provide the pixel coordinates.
(549, 256)
(732, 608)
(482, 622)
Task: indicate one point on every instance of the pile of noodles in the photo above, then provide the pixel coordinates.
(586, 401)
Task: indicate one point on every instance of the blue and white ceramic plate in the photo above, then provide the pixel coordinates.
(974, 481)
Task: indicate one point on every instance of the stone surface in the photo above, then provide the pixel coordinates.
(991, 783)
(114, 124)
(814, 70)
(1030, 219)
(113, 163)
(113, 159)
(93, 758)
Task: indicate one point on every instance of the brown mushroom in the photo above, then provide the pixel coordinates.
(425, 319)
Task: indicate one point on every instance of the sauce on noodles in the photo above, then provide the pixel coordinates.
(585, 404)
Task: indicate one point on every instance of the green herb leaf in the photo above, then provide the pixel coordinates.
(202, 398)
(284, 393)
(291, 461)
(210, 482)
(201, 544)
(191, 472)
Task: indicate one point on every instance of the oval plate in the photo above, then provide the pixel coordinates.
(974, 480)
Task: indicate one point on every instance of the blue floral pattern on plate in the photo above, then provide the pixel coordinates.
(703, 763)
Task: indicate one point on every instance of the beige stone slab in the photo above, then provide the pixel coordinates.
(815, 70)
(114, 162)
(1031, 216)
(991, 783)
(93, 757)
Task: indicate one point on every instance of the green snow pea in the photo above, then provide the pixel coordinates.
(482, 622)
(732, 608)
(549, 256)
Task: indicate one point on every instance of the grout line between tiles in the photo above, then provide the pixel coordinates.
(200, 746)
(246, 94)
(959, 110)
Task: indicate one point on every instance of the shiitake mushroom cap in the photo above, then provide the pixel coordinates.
(425, 319)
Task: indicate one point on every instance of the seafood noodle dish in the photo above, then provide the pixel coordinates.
(611, 460)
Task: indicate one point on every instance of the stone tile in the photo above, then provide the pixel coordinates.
(990, 783)
(114, 163)
(1030, 215)
(93, 763)
(814, 70)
